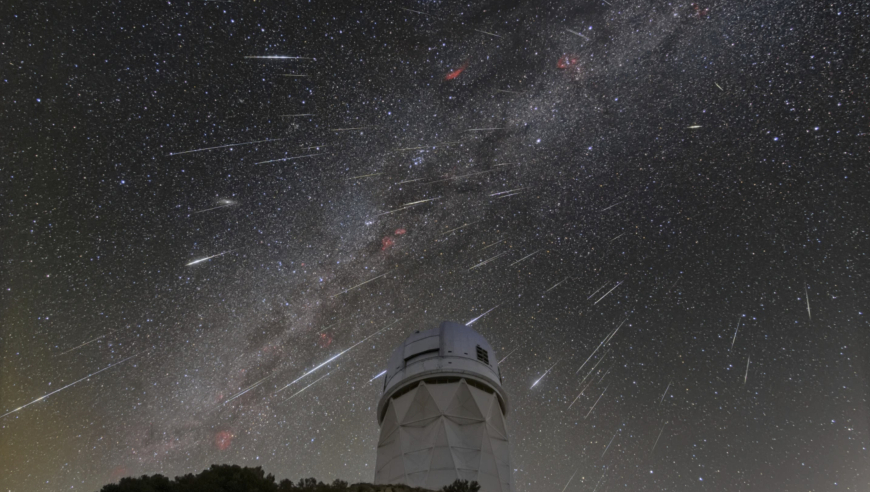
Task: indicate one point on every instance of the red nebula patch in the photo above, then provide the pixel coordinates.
(325, 340)
(452, 75)
(223, 439)
(400, 232)
(387, 243)
(701, 13)
(566, 62)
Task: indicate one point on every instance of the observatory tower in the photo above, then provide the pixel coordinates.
(442, 413)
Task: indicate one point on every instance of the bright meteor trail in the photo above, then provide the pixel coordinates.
(545, 373)
(336, 356)
(67, 386)
(223, 146)
(194, 262)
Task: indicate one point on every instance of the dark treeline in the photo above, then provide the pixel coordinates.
(233, 478)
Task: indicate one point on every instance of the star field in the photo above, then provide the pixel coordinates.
(220, 217)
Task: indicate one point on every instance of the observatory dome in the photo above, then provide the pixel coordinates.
(442, 413)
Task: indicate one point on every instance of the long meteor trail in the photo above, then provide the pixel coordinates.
(608, 292)
(608, 444)
(545, 373)
(360, 285)
(278, 57)
(194, 262)
(376, 377)
(481, 316)
(289, 158)
(224, 146)
(735, 333)
(67, 386)
(598, 347)
(524, 257)
(569, 481)
(660, 436)
(294, 395)
(807, 296)
(596, 402)
(87, 343)
(336, 356)
(249, 388)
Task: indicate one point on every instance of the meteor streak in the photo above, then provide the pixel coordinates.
(420, 201)
(194, 262)
(481, 316)
(608, 337)
(364, 176)
(279, 57)
(67, 386)
(578, 34)
(305, 388)
(410, 180)
(421, 13)
(807, 295)
(524, 257)
(599, 480)
(376, 377)
(227, 145)
(608, 208)
(569, 481)
(485, 32)
(592, 371)
(508, 355)
(491, 245)
(508, 191)
(614, 331)
(223, 204)
(404, 207)
(249, 388)
(596, 402)
(360, 285)
(660, 435)
(484, 262)
(665, 393)
(428, 146)
(608, 444)
(545, 373)
(608, 292)
(579, 395)
(336, 356)
(558, 284)
(87, 343)
(295, 115)
(746, 376)
(460, 227)
(596, 290)
(330, 326)
(735, 333)
(288, 158)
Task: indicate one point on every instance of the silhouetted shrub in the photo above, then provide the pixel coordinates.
(461, 486)
(234, 478)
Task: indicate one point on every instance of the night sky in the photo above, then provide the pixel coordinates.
(661, 208)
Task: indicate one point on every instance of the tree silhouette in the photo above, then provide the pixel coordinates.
(461, 486)
(234, 478)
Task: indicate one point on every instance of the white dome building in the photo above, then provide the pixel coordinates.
(442, 413)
